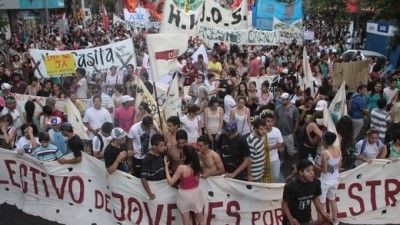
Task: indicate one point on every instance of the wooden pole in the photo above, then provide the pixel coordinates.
(158, 107)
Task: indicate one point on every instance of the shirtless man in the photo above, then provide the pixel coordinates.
(175, 150)
(210, 161)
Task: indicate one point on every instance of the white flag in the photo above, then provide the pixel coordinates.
(338, 104)
(308, 78)
(75, 118)
(173, 102)
(143, 95)
(328, 123)
(164, 50)
(117, 20)
(203, 51)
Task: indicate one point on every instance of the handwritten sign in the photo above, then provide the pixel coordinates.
(60, 64)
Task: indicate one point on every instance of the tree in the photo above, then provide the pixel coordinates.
(386, 10)
(328, 10)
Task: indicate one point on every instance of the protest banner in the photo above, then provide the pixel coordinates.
(354, 73)
(98, 59)
(308, 35)
(366, 195)
(266, 10)
(176, 20)
(289, 32)
(308, 80)
(140, 15)
(240, 37)
(214, 15)
(173, 102)
(60, 64)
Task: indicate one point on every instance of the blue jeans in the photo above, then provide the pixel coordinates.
(275, 170)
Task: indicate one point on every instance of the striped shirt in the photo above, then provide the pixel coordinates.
(49, 153)
(380, 120)
(257, 156)
(153, 167)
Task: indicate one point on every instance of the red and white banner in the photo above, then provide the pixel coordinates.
(164, 50)
(104, 16)
(366, 195)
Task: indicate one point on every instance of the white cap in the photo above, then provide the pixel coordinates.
(285, 96)
(55, 120)
(5, 86)
(285, 71)
(118, 133)
(320, 105)
(126, 98)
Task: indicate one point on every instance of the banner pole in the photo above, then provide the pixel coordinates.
(158, 107)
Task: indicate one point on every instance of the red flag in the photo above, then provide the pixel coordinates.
(104, 16)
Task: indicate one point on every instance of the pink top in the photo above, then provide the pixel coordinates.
(189, 182)
(124, 117)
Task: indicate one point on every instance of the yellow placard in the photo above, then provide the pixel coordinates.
(58, 65)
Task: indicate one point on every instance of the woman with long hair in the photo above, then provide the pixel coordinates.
(213, 120)
(202, 103)
(191, 123)
(190, 197)
(241, 115)
(242, 90)
(229, 65)
(142, 111)
(252, 102)
(8, 132)
(57, 91)
(34, 87)
(344, 128)
(117, 95)
(264, 96)
(371, 99)
(194, 88)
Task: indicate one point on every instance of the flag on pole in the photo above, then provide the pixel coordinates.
(164, 50)
(173, 102)
(308, 80)
(330, 126)
(143, 95)
(104, 16)
(75, 118)
(338, 105)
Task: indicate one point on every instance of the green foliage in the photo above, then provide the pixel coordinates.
(3, 21)
(328, 10)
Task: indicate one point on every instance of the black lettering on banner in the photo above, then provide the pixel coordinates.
(216, 13)
(161, 100)
(173, 16)
(251, 36)
(203, 13)
(237, 17)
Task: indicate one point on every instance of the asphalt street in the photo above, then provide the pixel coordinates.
(11, 215)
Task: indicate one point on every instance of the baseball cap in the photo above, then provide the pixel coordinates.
(320, 105)
(118, 133)
(67, 127)
(54, 121)
(285, 96)
(126, 98)
(231, 126)
(5, 86)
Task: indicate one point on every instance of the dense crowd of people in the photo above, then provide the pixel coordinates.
(223, 128)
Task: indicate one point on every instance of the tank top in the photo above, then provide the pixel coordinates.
(241, 121)
(393, 153)
(188, 182)
(333, 168)
(213, 121)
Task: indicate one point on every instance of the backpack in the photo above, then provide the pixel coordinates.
(101, 142)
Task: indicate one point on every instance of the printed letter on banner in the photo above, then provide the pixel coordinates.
(218, 17)
(176, 20)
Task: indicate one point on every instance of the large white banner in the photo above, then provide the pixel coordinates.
(176, 20)
(241, 37)
(141, 15)
(366, 195)
(289, 32)
(98, 59)
(214, 15)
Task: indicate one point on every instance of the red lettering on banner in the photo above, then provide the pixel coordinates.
(121, 217)
(211, 206)
(372, 193)
(158, 214)
(81, 189)
(107, 198)
(229, 212)
(98, 199)
(11, 172)
(357, 198)
(269, 217)
(170, 217)
(23, 171)
(341, 186)
(138, 209)
(46, 189)
(391, 194)
(34, 173)
(59, 191)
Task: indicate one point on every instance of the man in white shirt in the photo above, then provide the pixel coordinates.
(229, 103)
(139, 140)
(391, 91)
(81, 85)
(106, 101)
(275, 141)
(96, 116)
(101, 140)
